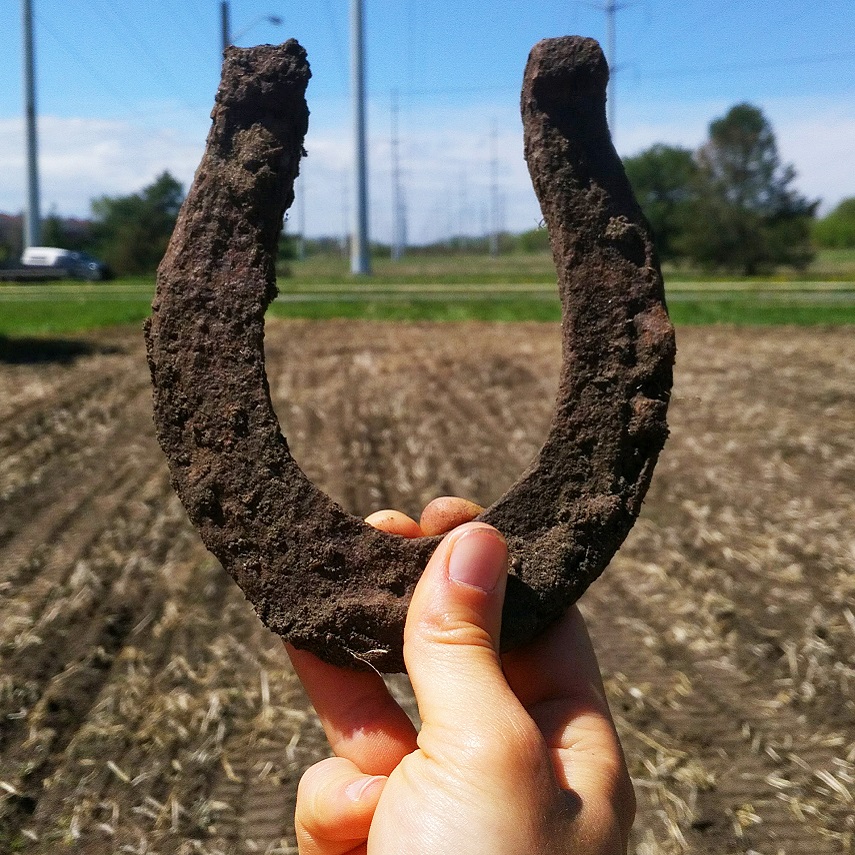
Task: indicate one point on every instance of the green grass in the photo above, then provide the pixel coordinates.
(750, 312)
(829, 265)
(453, 268)
(59, 308)
(512, 288)
(64, 315)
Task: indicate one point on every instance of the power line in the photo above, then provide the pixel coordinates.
(189, 28)
(611, 8)
(751, 65)
(148, 52)
(337, 44)
(495, 226)
(91, 69)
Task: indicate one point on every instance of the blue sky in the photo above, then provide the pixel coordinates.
(125, 89)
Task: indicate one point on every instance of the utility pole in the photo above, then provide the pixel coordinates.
(225, 25)
(399, 228)
(345, 213)
(32, 219)
(360, 262)
(611, 8)
(494, 190)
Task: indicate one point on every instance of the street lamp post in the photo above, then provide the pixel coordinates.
(225, 26)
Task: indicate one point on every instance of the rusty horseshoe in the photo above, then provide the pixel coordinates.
(317, 575)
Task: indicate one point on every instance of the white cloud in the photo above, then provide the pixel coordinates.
(80, 159)
(819, 140)
(816, 135)
(445, 159)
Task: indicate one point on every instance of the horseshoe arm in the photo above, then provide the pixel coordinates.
(290, 547)
(578, 500)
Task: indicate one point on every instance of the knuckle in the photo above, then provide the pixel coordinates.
(448, 628)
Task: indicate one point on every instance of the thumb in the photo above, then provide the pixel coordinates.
(452, 633)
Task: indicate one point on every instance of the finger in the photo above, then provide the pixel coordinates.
(558, 679)
(451, 636)
(360, 718)
(560, 663)
(394, 522)
(447, 512)
(362, 721)
(335, 805)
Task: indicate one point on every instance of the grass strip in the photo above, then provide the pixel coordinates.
(63, 314)
(738, 311)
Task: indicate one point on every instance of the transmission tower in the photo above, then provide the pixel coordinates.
(495, 216)
(301, 216)
(399, 214)
(611, 8)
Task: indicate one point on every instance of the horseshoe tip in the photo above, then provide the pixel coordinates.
(567, 66)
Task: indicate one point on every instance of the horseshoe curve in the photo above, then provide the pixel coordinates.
(317, 575)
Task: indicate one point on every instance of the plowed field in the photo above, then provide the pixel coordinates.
(144, 709)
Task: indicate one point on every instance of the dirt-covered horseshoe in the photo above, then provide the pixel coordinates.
(316, 574)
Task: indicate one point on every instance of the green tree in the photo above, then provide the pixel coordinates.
(53, 231)
(837, 229)
(133, 231)
(663, 180)
(11, 239)
(534, 240)
(746, 214)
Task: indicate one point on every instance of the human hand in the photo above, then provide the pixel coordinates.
(516, 753)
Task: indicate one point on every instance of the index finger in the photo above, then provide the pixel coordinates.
(361, 719)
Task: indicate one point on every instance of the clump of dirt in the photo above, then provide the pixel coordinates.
(317, 575)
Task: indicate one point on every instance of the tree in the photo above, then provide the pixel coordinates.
(534, 240)
(663, 180)
(746, 215)
(837, 229)
(67, 232)
(133, 231)
(11, 239)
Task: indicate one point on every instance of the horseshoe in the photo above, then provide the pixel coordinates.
(317, 575)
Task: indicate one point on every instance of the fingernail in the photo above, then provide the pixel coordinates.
(358, 788)
(478, 558)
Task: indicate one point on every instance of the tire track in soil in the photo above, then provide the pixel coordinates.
(708, 601)
(29, 478)
(95, 757)
(80, 621)
(74, 621)
(39, 417)
(721, 715)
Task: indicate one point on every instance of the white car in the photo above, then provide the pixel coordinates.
(78, 265)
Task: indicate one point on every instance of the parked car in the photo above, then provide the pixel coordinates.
(77, 265)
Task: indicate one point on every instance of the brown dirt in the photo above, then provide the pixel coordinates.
(321, 577)
(143, 708)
